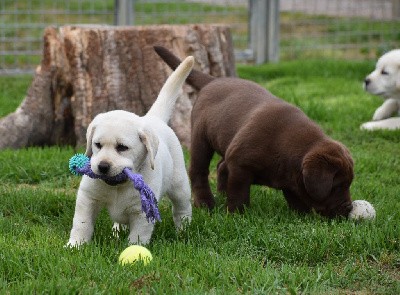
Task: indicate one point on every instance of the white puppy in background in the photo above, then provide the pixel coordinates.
(385, 81)
(146, 145)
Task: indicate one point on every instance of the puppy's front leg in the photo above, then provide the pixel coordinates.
(386, 110)
(86, 211)
(390, 124)
(140, 229)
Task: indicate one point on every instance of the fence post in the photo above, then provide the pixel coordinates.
(395, 9)
(264, 30)
(123, 12)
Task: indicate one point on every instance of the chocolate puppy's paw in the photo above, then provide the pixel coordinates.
(204, 202)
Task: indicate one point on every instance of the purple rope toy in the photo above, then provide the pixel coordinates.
(79, 164)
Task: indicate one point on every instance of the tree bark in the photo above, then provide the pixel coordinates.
(87, 70)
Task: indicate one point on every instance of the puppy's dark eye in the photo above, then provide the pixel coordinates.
(383, 72)
(98, 145)
(121, 148)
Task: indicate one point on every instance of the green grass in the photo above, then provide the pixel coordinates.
(12, 90)
(267, 250)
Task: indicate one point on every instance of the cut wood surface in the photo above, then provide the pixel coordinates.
(87, 70)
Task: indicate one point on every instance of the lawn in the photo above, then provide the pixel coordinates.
(269, 249)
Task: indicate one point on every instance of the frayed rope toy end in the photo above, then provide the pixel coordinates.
(79, 164)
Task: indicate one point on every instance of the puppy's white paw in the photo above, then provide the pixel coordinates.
(181, 223)
(117, 228)
(368, 126)
(72, 244)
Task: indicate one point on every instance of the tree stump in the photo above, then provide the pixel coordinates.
(86, 70)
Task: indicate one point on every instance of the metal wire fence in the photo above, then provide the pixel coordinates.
(355, 29)
(308, 28)
(22, 23)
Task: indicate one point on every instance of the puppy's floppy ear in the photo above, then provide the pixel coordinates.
(89, 136)
(150, 141)
(318, 174)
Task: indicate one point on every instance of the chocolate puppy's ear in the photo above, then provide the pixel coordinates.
(318, 176)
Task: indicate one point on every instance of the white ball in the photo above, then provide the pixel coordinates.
(362, 210)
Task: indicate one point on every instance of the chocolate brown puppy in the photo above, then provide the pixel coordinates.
(262, 140)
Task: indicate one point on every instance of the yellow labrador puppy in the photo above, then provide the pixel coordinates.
(147, 146)
(385, 81)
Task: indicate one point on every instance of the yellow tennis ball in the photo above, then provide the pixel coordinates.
(135, 253)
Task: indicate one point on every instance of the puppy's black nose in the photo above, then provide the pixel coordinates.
(367, 81)
(103, 167)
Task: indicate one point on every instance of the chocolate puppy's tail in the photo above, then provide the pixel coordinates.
(196, 78)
